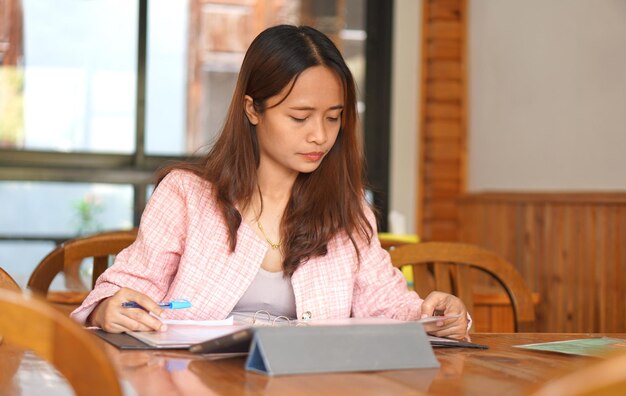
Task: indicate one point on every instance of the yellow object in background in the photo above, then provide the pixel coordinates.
(11, 107)
(400, 238)
(389, 241)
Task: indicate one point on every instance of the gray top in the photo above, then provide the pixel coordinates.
(269, 291)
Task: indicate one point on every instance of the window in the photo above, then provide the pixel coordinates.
(96, 95)
(38, 214)
(189, 86)
(73, 87)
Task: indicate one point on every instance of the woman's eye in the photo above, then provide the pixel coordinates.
(296, 119)
(333, 119)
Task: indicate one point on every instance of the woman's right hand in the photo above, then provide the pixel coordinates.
(113, 318)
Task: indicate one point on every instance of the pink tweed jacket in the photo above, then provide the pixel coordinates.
(182, 251)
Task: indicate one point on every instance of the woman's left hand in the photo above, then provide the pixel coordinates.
(438, 303)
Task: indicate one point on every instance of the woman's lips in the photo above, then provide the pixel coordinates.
(314, 156)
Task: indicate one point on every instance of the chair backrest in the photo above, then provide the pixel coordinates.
(7, 282)
(30, 323)
(450, 264)
(390, 241)
(68, 256)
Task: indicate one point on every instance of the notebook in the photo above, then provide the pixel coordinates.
(236, 337)
(122, 340)
(183, 336)
(180, 334)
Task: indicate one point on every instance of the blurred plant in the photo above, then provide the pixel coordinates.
(87, 211)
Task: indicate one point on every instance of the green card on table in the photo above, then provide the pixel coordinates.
(598, 347)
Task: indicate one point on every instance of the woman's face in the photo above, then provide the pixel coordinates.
(295, 135)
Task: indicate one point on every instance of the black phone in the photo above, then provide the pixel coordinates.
(237, 342)
(442, 342)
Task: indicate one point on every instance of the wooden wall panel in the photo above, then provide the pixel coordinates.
(220, 32)
(11, 32)
(568, 247)
(443, 126)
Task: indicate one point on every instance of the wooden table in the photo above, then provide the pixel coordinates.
(499, 370)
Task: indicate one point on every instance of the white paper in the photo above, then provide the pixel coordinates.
(432, 338)
(183, 336)
(224, 322)
(430, 319)
(371, 320)
(350, 321)
(183, 333)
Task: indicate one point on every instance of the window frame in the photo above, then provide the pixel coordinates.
(138, 168)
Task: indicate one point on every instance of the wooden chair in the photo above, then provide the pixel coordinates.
(449, 266)
(390, 241)
(7, 282)
(31, 323)
(68, 257)
(603, 378)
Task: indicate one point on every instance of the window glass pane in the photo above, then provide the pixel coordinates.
(166, 76)
(73, 86)
(56, 210)
(19, 258)
(195, 49)
(354, 53)
(63, 209)
(149, 191)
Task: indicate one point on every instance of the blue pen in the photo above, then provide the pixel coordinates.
(178, 303)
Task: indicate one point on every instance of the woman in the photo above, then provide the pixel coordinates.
(273, 217)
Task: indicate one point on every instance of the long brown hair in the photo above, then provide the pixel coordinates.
(329, 199)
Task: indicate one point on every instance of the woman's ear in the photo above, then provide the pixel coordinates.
(248, 106)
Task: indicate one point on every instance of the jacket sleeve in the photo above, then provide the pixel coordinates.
(380, 289)
(150, 263)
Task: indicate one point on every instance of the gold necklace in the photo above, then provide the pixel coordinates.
(272, 244)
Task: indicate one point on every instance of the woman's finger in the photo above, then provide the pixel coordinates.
(438, 325)
(143, 300)
(451, 332)
(435, 301)
(114, 317)
(124, 324)
(458, 324)
(144, 318)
